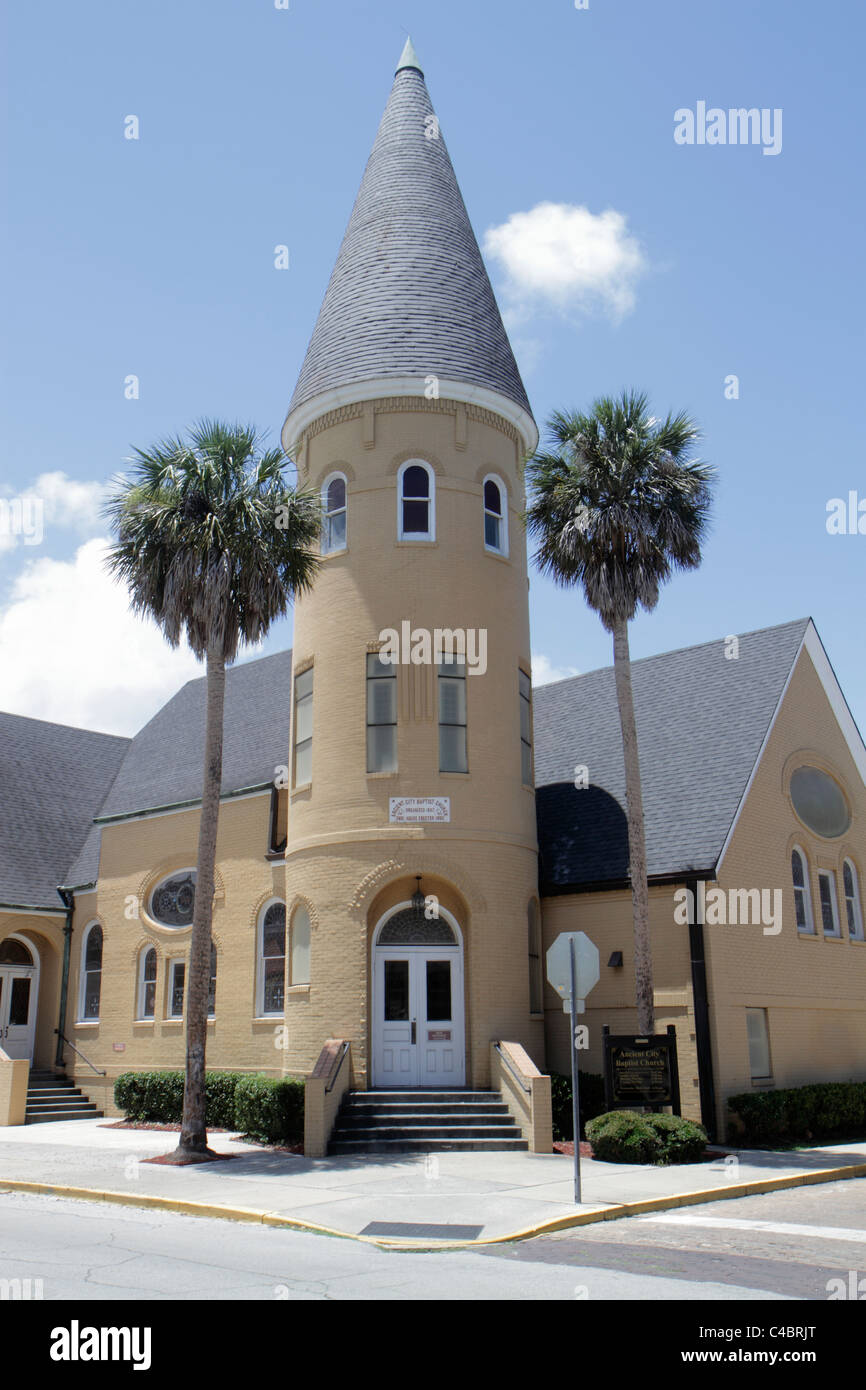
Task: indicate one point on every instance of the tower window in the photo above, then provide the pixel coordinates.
(525, 728)
(536, 977)
(304, 728)
(211, 988)
(381, 714)
(452, 717)
(334, 514)
(495, 517)
(91, 974)
(829, 908)
(299, 961)
(272, 959)
(147, 983)
(758, 1034)
(416, 520)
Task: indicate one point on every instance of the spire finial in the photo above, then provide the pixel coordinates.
(409, 58)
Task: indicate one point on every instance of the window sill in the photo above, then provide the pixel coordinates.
(87, 1023)
(831, 936)
(763, 1083)
(143, 1022)
(269, 1018)
(422, 540)
(301, 789)
(496, 554)
(299, 989)
(334, 554)
(807, 936)
(536, 1018)
(275, 855)
(383, 776)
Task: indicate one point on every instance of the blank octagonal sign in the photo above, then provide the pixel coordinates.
(819, 802)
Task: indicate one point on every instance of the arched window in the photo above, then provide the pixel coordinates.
(495, 517)
(91, 974)
(802, 891)
(211, 989)
(272, 960)
(853, 903)
(334, 514)
(300, 962)
(416, 490)
(536, 1000)
(147, 983)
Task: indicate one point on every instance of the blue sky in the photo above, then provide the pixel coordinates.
(155, 257)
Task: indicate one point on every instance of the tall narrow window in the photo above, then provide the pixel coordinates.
(758, 1032)
(495, 517)
(535, 973)
(829, 906)
(525, 728)
(853, 905)
(147, 983)
(304, 728)
(91, 974)
(272, 960)
(300, 960)
(802, 891)
(381, 714)
(416, 499)
(176, 983)
(452, 717)
(211, 990)
(334, 514)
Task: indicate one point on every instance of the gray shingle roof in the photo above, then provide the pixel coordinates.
(701, 720)
(53, 780)
(409, 294)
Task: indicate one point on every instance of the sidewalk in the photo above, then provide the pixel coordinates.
(451, 1197)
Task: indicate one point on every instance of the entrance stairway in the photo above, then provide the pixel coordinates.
(51, 1097)
(397, 1122)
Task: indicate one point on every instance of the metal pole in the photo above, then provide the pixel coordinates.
(575, 1098)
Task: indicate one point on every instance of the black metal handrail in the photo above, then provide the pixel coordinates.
(80, 1054)
(332, 1083)
(511, 1067)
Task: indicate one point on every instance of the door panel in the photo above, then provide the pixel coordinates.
(17, 1011)
(418, 1017)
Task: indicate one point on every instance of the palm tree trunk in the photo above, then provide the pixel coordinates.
(193, 1136)
(643, 966)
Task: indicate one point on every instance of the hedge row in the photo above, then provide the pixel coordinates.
(591, 1097)
(624, 1136)
(269, 1108)
(823, 1110)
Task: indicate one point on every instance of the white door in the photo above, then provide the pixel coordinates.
(17, 1011)
(418, 1017)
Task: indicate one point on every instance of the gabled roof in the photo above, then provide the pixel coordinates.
(701, 723)
(163, 763)
(409, 296)
(53, 780)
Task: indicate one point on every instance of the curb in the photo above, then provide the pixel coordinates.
(614, 1212)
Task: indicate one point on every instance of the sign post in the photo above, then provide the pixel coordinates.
(573, 969)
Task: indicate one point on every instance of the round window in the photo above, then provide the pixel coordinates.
(819, 802)
(172, 901)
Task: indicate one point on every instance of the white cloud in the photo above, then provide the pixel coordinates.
(73, 653)
(545, 673)
(53, 501)
(564, 257)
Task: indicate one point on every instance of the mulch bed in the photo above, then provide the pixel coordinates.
(141, 1124)
(221, 1158)
(566, 1146)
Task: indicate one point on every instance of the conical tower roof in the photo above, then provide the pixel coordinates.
(409, 296)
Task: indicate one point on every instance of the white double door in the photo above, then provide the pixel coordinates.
(17, 1011)
(418, 1017)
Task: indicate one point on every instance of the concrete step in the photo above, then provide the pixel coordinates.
(76, 1103)
(357, 1106)
(415, 1097)
(45, 1117)
(426, 1145)
(440, 1131)
(351, 1120)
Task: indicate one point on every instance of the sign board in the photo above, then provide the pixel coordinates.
(641, 1071)
(559, 967)
(424, 809)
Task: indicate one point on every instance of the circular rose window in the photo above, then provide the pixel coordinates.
(173, 900)
(819, 802)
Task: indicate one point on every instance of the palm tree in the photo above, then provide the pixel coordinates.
(618, 504)
(212, 543)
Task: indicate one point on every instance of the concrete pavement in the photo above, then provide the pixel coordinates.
(410, 1201)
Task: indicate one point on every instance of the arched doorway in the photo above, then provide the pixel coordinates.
(19, 987)
(417, 975)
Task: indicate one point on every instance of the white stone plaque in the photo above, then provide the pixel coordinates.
(420, 809)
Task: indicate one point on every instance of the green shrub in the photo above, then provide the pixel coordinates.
(270, 1109)
(156, 1097)
(624, 1136)
(591, 1088)
(823, 1110)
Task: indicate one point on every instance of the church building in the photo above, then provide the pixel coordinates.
(404, 827)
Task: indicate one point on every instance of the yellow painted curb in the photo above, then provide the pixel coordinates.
(612, 1212)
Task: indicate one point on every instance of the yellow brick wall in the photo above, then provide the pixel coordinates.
(814, 988)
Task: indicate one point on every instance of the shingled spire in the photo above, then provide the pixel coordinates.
(409, 297)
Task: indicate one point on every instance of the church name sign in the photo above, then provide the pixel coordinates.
(425, 809)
